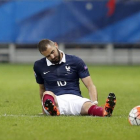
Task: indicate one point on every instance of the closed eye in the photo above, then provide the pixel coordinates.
(52, 52)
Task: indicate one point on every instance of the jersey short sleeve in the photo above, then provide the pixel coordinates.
(38, 76)
(82, 68)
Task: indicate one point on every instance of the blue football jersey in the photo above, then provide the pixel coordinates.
(61, 78)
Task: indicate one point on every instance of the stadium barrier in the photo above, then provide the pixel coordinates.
(90, 53)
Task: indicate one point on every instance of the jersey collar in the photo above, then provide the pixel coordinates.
(62, 60)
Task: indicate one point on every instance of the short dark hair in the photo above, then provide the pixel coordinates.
(42, 45)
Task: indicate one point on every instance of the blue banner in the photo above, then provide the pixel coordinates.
(108, 21)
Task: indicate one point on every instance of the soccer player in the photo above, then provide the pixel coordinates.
(58, 77)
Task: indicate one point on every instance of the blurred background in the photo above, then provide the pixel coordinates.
(98, 31)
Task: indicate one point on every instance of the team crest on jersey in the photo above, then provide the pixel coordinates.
(67, 68)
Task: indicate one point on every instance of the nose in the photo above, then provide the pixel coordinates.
(52, 56)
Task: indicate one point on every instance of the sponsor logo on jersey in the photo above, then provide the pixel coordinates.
(46, 72)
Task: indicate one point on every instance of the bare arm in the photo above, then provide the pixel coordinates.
(41, 91)
(91, 88)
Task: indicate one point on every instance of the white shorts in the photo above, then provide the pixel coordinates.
(69, 104)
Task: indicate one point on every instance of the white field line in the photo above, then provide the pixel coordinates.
(37, 116)
(12, 115)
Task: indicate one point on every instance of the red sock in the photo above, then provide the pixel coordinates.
(95, 110)
(47, 96)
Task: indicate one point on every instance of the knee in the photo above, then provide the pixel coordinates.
(49, 93)
(85, 108)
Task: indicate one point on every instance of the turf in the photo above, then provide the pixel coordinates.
(20, 106)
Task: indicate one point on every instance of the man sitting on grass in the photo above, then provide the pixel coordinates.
(58, 77)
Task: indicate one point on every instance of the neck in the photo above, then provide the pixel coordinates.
(61, 56)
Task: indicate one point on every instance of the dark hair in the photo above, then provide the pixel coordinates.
(42, 45)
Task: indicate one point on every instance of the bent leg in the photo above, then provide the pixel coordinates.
(50, 95)
(50, 104)
(89, 109)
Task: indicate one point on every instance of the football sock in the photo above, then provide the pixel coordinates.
(95, 110)
(47, 96)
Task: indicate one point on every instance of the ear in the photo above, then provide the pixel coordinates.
(56, 45)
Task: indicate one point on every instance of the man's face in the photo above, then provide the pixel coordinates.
(52, 54)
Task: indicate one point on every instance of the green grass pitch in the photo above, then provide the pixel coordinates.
(20, 106)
